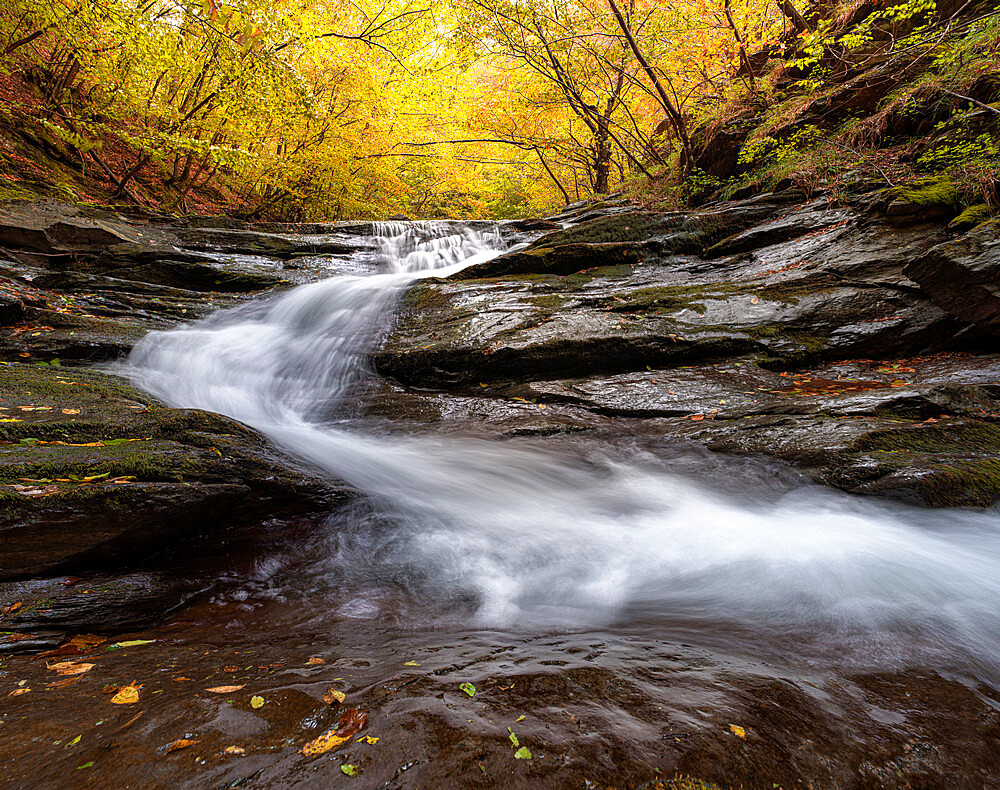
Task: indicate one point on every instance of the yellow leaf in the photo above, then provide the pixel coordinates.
(234, 750)
(127, 695)
(328, 740)
(331, 695)
(738, 731)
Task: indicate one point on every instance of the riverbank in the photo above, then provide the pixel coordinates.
(583, 465)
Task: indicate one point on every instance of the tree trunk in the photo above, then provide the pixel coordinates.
(602, 159)
(798, 21)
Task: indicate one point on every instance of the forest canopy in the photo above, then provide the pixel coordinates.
(337, 109)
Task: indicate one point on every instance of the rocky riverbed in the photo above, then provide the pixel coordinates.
(845, 340)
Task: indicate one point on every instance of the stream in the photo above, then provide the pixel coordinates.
(630, 600)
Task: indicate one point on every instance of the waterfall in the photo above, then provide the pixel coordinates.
(578, 531)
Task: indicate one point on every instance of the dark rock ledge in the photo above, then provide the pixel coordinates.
(857, 344)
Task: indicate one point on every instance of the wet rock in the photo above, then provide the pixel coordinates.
(94, 473)
(721, 344)
(561, 259)
(963, 276)
(49, 608)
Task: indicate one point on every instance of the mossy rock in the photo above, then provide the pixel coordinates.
(94, 471)
(971, 217)
(933, 192)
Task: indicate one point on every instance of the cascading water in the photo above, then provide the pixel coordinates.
(581, 532)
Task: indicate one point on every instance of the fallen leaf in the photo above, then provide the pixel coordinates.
(738, 731)
(234, 750)
(350, 724)
(331, 696)
(256, 702)
(519, 718)
(897, 383)
(18, 692)
(315, 660)
(182, 743)
(468, 688)
(182, 679)
(368, 739)
(131, 643)
(6, 610)
(70, 411)
(522, 754)
(61, 684)
(127, 695)
(349, 769)
(75, 741)
(225, 689)
(410, 664)
(70, 667)
(513, 738)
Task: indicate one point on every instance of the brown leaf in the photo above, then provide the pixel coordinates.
(61, 684)
(225, 689)
(350, 724)
(127, 695)
(81, 643)
(70, 667)
(6, 610)
(332, 696)
(182, 743)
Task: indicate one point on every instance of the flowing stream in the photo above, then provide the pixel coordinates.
(580, 533)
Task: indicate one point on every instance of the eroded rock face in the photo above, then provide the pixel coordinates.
(739, 327)
(94, 473)
(963, 276)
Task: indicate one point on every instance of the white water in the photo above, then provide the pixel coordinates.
(582, 533)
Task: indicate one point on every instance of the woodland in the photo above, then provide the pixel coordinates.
(485, 108)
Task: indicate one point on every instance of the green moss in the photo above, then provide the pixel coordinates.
(630, 226)
(423, 298)
(934, 191)
(794, 291)
(974, 483)
(972, 216)
(144, 460)
(664, 299)
(960, 438)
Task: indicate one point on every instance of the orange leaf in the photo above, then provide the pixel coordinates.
(225, 689)
(127, 695)
(183, 743)
(70, 667)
